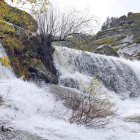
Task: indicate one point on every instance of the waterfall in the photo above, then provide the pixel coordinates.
(115, 73)
(38, 113)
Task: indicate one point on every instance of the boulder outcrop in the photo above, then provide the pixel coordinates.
(120, 38)
(106, 50)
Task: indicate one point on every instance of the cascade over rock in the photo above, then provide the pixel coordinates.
(43, 111)
(112, 72)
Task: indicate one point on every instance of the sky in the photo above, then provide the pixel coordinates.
(102, 8)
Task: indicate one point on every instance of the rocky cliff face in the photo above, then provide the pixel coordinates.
(120, 39)
(30, 57)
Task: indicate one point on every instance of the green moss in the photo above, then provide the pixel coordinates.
(116, 43)
(34, 61)
(127, 56)
(89, 48)
(94, 37)
(114, 28)
(119, 40)
(115, 49)
(132, 24)
(123, 36)
(16, 16)
(133, 15)
(125, 24)
(130, 13)
(138, 54)
(6, 28)
(19, 68)
(120, 27)
(106, 40)
(136, 39)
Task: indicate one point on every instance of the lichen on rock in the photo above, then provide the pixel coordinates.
(106, 50)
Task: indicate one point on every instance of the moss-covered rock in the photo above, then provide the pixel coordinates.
(106, 50)
(121, 21)
(12, 45)
(127, 56)
(121, 39)
(125, 26)
(18, 17)
(30, 58)
(102, 41)
(138, 56)
(18, 67)
(6, 28)
(131, 18)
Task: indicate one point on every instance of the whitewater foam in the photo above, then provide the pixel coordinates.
(38, 112)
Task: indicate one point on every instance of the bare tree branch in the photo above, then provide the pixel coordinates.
(61, 25)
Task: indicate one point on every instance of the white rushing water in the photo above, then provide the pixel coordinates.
(117, 74)
(34, 106)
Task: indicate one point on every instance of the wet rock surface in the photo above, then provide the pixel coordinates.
(30, 58)
(116, 75)
(106, 50)
(135, 119)
(18, 135)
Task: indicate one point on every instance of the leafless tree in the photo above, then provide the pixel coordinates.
(58, 25)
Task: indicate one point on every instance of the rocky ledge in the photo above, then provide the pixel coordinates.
(29, 54)
(117, 41)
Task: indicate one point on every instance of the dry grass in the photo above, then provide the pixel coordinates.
(12, 45)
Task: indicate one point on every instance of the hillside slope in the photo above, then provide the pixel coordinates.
(17, 17)
(30, 57)
(120, 39)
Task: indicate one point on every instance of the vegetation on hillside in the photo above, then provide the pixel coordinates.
(93, 109)
(58, 25)
(4, 61)
(136, 27)
(109, 23)
(20, 17)
(13, 41)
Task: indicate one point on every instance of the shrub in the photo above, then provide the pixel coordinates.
(93, 108)
(4, 61)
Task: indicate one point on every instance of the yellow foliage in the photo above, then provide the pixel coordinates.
(6, 28)
(11, 45)
(34, 4)
(4, 61)
(8, 13)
